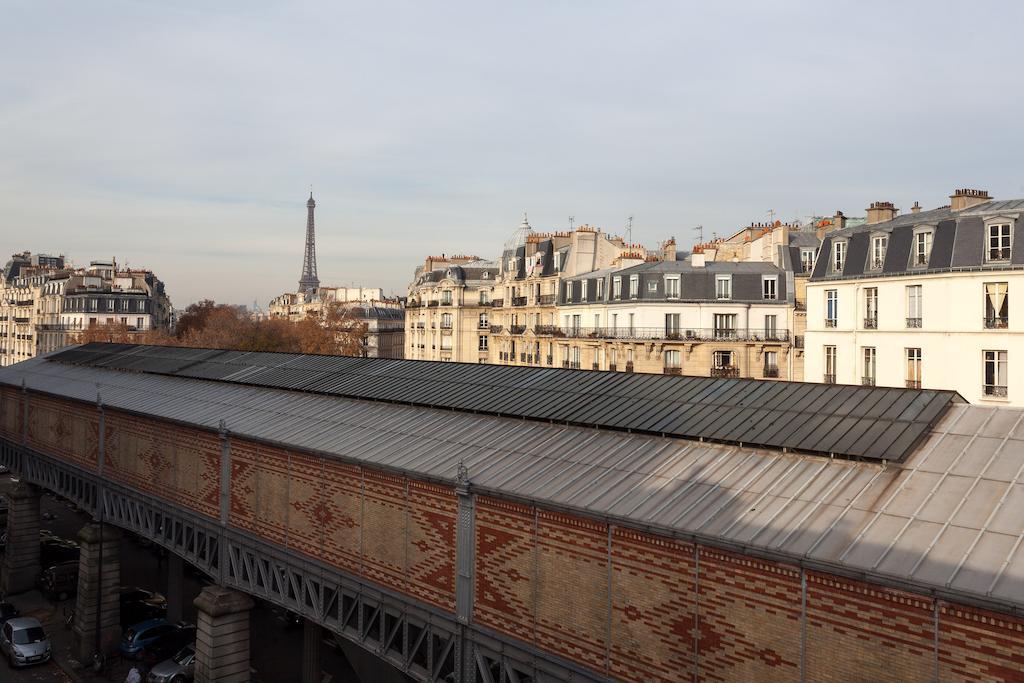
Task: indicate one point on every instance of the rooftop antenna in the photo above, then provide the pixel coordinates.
(771, 215)
(700, 233)
(572, 221)
(629, 230)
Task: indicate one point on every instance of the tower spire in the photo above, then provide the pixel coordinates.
(309, 281)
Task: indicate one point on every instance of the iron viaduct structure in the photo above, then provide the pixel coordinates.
(498, 524)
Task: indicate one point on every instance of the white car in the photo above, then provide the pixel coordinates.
(24, 642)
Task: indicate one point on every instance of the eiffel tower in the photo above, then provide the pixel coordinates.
(309, 281)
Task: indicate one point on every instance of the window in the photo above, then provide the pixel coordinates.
(568, 292)
(616, 287)
(723, 286)
(922, 248)
(672, 325)
(652, 286)
(446, 321)
(771, 327)
(600, 289)
(672, 287)
(576, 319)
(999, 242)
(807, 260)
(597, 320)
(913, 368)
(512, 264)
(634, 286)
(838, 256)
(831, 307)
(722, 360)
(725, 325)
(771, 364)
(482, 343)
(140, 323)
(482, 322)
(615, 321)
(879, 243)
(613, 354)
(576, 357)
(830, 365)
(997, 305)
(995, 373)
(914, 306)
(871, 308)
(672, 359)
(558, 261)
(868, 377)
(484, 298)
(583, 290)
(631, 317)
(769, 287)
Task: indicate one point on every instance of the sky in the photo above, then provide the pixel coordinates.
(184, 136)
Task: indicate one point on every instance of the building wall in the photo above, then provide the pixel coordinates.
(952, 336)
(631, 604)
(428, 338)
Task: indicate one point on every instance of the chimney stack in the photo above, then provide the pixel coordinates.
(668, 249)
(965, 199)
(916, 208)
(879, 212)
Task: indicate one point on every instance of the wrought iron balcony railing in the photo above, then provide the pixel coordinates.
(547, 299)
(516, 329)
(871, 323)
(673, 371)
(995, 390)
(829, 379)
(661, 333)
(519, 301)
(495, 329)
(999, 323)
(914, 323)
(771, 371)
(913, 384)
(728, 371)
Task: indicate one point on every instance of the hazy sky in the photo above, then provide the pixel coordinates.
(183, 136)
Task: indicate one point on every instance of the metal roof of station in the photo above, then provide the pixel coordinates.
(949, 519)
(852, 421)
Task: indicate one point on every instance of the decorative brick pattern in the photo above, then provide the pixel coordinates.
(175, 463)
(64, 428)
(432, 520)
(976, 645)
(342, 501)
(259, 490)
(384, 529)
(505, 562)
(10, 414)
(653, 608)
(749, 619)
(860, 632)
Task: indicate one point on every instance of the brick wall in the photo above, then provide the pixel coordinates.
(10, 414)
(69, 430)
(977, 645)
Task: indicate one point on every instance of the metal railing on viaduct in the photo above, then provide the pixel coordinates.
(222, 504)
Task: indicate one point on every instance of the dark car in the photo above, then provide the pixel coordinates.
(167, 644)
(137, 637)
(8, 611)
(140, 604)
(60, 581)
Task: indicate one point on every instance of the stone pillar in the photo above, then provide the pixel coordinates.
(222, 641)
(175, 592)
(21, 559)
(312, 643)
(98, 605)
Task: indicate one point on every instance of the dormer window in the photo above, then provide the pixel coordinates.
(838, 256)
(922, 248)
(600, 289)
(807, 259)
(558, 261)
(486, 275)
(879, 243)
(998, 245)
(616, 287)
(583, 290)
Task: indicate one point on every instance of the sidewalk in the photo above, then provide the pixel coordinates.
(51, 616)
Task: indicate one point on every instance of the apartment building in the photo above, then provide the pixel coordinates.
(448, 311)
(693, 317)
(531, 268)
(925, 299)
(297, 305)
(44, 303)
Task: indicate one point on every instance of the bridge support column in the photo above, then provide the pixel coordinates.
(175, 592)
(21, 559)
(97, 624)
(312, 643)
(222, 641)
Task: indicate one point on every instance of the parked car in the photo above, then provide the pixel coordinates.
(140, 604)
(137, 637)
(166, 645)
(24, 642)
(8, 611)
(181, 668)
(60, 581)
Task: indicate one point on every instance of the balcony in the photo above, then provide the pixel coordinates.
(433, 304)
(550, 360)
(516, 329)
(496, 329)
(994, 390)
(519, 301)
(547, 299)
(871, 323)
(595, 366)
(673, 371)
(612, 367)
(997, 323)
(914, 323)
(497, 303)
(771, 371)
(670, 334)
(913, 384)
(829, 379)
(830, 322)
(446, 326)
(545, 330)
(575, 365)
(446, 303)
(798, 342)
(420, 326)
(629, 366)
(867, 381)
(22, 320)
(727, 372)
